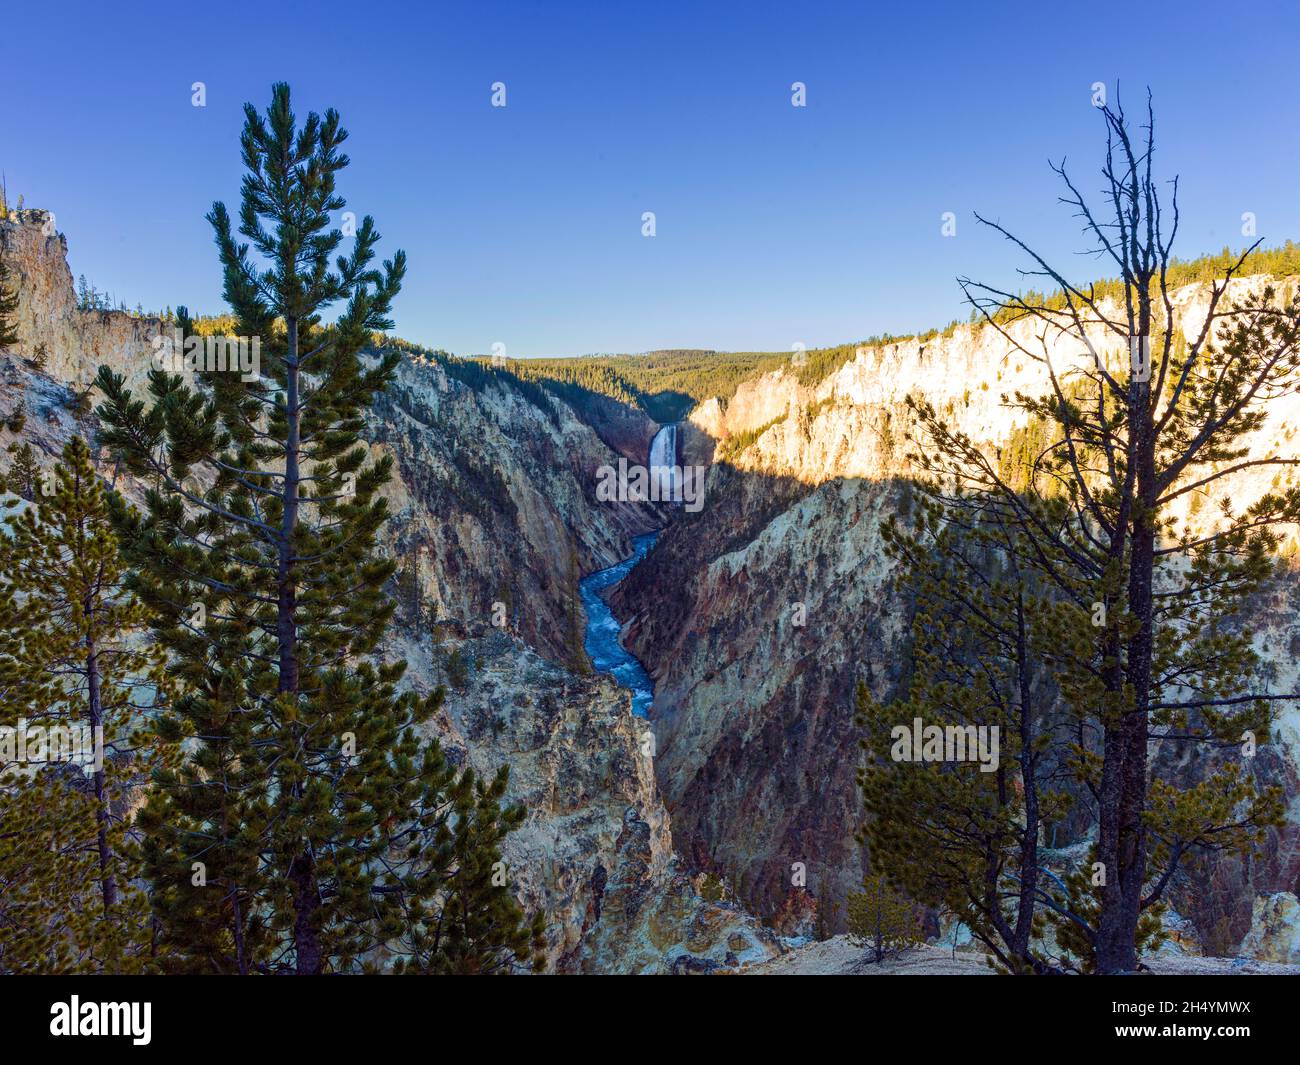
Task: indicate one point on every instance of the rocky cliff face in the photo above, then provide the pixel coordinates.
(596, 854)
(783, 604)
(494, 499)
(77, 342)
(494, 494)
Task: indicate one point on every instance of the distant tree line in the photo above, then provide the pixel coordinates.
(668, 384)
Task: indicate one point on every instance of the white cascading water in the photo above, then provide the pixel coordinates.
(663, 463)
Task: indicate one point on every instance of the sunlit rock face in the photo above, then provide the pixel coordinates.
(77, 342)
(757, 617)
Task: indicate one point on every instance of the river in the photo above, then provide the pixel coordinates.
(607, 654)
(601, 639)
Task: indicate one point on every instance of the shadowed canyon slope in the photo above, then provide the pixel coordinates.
(781, 603)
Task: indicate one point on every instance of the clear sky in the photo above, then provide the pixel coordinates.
(775, 225)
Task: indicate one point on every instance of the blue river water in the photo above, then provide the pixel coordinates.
(601, 641)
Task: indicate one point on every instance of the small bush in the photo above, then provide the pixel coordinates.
(882, 920)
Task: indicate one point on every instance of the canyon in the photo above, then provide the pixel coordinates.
(672, 686)
(784, 604)
(493, 500)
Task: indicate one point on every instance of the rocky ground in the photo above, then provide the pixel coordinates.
(839, 957)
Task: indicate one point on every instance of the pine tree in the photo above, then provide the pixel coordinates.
(409, 592)
(44, 869)
(8, 308)
(962, 835)
(476, 928)
(60, 562)
(1143, 626)
(48, 904)
(313, 826)
(457, 669)
(881, 919)
(23, 471)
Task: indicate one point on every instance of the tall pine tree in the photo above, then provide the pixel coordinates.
(61, 578)
(314, 828)
(1143, 624)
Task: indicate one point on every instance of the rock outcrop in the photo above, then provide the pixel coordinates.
(76, 342)
(596, 853)
(839, 956)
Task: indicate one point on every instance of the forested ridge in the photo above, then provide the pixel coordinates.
(668, 384)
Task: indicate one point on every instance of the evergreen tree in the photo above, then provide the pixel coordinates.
(1146, 650)
(881, 919)
(457, 669)
(23, 471)
(45, 871)
(8, 308)
(960, 835)
(476, 927)
(60, 562)
(313, 825)
(48, 904)
(409, 593)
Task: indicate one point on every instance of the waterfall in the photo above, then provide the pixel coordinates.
(664, 471)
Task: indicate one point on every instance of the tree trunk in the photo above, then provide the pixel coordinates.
(306, 907)
(302, 869)
(286, 609)
(1028, 776)
(1122, 897)
(107, 878)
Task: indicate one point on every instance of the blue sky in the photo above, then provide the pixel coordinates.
(776, 225)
